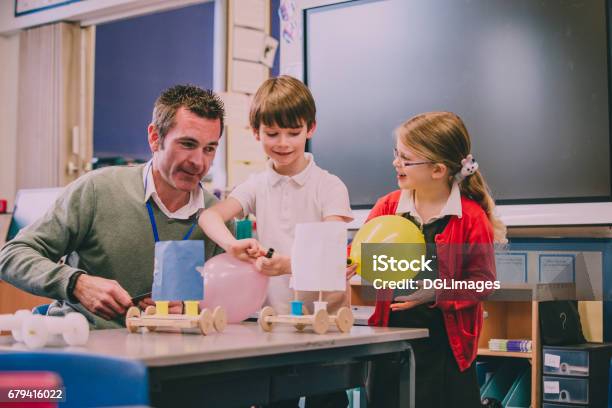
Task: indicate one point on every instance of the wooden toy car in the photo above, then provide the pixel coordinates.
(205, 321)
(320, 320)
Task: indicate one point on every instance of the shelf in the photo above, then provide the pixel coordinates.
(519, 292)
(515, 354)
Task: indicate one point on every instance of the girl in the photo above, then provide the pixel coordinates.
(444, 194)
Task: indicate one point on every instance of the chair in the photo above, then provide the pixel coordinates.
(89, 380)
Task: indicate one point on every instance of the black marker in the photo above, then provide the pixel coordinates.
(270, 253)
(138, 298)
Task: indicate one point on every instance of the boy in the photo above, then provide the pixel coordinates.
(292, 190)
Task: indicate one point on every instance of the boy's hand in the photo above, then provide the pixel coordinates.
(247, 249)
(275, 266)
(351, 270)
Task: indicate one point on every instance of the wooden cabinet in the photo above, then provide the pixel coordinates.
(514, 320)
(512, 313)
(13, 299)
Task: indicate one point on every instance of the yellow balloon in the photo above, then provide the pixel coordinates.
(387, 229)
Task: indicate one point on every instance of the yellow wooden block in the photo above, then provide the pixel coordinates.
(191, 307)
(161, 307)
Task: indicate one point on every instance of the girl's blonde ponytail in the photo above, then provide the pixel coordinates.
(475, 187)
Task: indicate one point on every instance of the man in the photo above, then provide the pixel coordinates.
(112, 217)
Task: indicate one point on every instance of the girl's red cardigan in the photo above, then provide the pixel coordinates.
(465, 252)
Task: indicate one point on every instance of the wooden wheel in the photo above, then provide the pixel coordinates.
(300, 326)
(131, 313)
(344, 320)
(149, 311)
(320, 321)
(267, 311)
(205, 322)
(219, 319)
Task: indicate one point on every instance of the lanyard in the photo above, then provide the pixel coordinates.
(152, 216)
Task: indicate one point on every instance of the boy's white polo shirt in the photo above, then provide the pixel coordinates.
(280, 202)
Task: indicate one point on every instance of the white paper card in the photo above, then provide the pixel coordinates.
(551, 387)
(243, 146)
(250, 13)
(247, 76)
(557, 268)
(240, 170)
(248, 44)
(318, 257)
(236, 108)
(551, 360)
(270, 45)
(511, 267)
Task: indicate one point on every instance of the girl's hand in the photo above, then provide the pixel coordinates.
(275, 266)
(419, 297)
(247, 249)
(351, 270)
(403, 305)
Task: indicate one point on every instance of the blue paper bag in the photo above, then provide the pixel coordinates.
(174, 274)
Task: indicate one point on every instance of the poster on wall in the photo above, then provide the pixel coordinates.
(23, 7)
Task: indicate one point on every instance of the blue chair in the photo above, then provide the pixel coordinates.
(89, 380)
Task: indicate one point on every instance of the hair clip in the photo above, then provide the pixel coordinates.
(469, 166)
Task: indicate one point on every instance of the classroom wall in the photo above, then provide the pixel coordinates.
(89, 11)
(136, 59)
(275, 32)
(9, 55)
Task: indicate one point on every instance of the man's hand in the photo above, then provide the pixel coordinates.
(247, 249)
(101, 296)
(146, 302)
(174, 307)
(275, 266)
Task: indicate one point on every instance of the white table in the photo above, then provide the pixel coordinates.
(245, 365)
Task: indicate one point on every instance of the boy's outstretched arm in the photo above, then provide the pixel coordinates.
(281, 264)
(212, 221)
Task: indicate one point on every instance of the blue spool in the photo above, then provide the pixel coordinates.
(296, 308)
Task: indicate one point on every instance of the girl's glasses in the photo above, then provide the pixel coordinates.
(405, 163)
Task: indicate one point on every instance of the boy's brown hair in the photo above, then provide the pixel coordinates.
(284, 102)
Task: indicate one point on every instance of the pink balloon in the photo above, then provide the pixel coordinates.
(234, 285)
